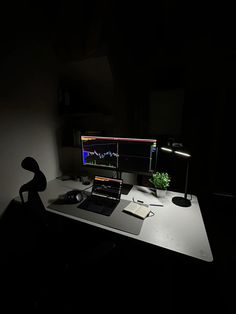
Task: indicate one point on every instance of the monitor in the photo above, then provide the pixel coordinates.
(119, 153)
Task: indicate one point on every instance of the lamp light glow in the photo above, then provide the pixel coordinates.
(182, 153)
(167, 149)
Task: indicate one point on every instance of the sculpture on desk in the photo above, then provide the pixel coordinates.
(37, 184)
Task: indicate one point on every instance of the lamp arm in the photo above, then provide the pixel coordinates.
(186, 181)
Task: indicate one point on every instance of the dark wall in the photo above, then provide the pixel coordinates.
(150, 48)
(177, 46)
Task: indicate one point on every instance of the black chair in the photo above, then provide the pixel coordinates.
(33, 253)
(33, 207)
(24, 225)
(30, 228)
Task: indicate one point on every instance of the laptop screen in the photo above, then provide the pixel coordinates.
(107, 187)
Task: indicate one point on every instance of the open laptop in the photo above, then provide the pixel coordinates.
(105, 196)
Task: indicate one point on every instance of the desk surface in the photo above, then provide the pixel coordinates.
(180, 229)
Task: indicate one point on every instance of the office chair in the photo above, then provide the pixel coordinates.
(32, 248)
(21, 217)
(33, 208)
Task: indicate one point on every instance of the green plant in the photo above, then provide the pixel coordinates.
(161, 180)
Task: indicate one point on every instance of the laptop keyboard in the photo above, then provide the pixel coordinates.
(99, 205)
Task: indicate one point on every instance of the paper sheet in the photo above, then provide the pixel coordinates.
(146, 196)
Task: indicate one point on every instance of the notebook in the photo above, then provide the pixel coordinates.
(105, 196)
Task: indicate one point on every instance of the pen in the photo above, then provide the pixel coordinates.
(139, 201)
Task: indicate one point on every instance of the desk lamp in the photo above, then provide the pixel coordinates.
(179, 200)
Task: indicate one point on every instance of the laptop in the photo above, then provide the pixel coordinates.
(105, 196)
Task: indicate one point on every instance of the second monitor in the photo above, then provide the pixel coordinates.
(119, 153)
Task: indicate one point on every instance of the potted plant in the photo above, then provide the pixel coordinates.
(161, 181)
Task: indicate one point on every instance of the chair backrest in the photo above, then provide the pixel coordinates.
(37, 184)
(34, 207)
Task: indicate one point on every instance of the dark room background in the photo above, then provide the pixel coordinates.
(155, 69)
(163, 71)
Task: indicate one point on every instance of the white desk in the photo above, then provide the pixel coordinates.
(180, 229)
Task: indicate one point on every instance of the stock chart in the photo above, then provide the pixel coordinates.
(102, 153)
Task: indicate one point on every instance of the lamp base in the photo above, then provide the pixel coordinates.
(181, 201)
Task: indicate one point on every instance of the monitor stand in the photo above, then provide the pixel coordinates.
(126, 187)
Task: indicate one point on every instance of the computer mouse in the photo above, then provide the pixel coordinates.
(73, 197)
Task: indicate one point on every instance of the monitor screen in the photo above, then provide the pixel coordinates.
(107, 187)
(99, 151)
(119, 153)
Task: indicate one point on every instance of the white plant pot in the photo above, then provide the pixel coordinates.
(161, 193)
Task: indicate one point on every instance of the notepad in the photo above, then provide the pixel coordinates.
(138, 210)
